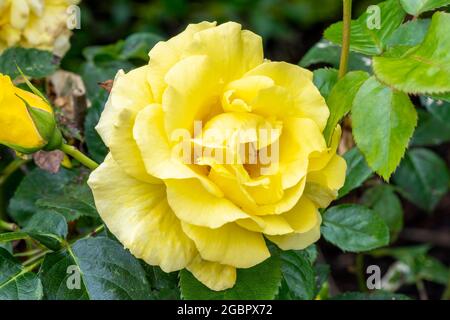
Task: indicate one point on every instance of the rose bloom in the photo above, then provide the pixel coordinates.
(27, 122)
(40, 24)
(207, 215)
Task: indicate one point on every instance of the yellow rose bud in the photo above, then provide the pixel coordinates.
(40, 24)
(27, 122)
(213, 150)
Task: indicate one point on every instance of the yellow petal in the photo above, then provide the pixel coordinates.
(232, 51)
(307, 101)
(214, 275)
(193, 204)
(130, 94)
(300, 139)
(303, 217)
(138, 214)
(232, 129)
(229, 245)
(298, 241)
(17, 126)
(33, 100)
(159, 159)
(166, 54)
(241, 93)
(319, 159)
(192, 93)
(273, 225)
(332, 176)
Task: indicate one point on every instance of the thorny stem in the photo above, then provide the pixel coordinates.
(76, 154)
(347, 16)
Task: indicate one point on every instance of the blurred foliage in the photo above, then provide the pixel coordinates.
(288, 27)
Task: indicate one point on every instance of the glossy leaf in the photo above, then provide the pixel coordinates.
(33, 62)
(383, 200)
(264, 280)
(354, 228)
(298, 274)
(36, 185)
(366, 37)
(105, 270)
(326, 52)
(357, 171)
(383, 123)
(424, 69)
(423, 178)
(74, 201)
(17, 283)
(410, 33)
(325, 79)
(341, 98)
(417, 7)
(48, 227)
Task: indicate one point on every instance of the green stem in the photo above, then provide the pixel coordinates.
(76, 154)
(347, 17)
(10, 169)
(40, 256)
(360, 272)
(8, 226)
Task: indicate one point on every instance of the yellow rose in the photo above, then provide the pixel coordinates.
(40, 24)
(27, 122)
(211, 86)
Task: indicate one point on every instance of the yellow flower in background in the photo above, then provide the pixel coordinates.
(252, 162)
(40, 24)
(27, 122)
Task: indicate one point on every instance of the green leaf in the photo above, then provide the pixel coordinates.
(411, 33)
(383, 122)
(329, 53)
(138, 45)
(417, 7)
(164, 285)
(36, 185)
(383, 200)
(258, 283)
(47, 227)
(74, 201)
(95, 145)
(375, 295)
(434, 125)
(324, 80)
(424, 69)
(17, 283)
(423, 178)
(341, 98)
(105, 269)
(322, 274)
(357, 171)
(354, 228)
(33, 62)
(368, 39)
(298, 274)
